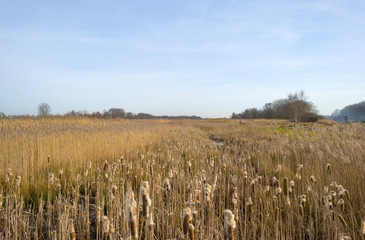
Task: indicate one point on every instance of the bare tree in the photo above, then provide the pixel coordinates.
(44, 109)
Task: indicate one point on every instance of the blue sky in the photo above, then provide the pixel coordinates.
(191, 57)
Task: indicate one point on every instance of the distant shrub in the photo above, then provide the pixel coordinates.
(310, 117)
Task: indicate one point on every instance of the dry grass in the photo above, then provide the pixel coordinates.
(165, 179)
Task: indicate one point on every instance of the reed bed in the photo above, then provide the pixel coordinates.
(181, 179)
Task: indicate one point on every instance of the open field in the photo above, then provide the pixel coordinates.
(65, 178)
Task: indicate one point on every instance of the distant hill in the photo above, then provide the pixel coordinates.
(354, 112)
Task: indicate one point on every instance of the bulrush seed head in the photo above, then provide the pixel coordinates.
(313, 179)
(362, 231)
(229, 224)
(105, 226)
(249, 204)
(207, 192)
(105, 165)
(328, 167)
(18, 181)
(286, 186)
(50, 178)
(191, 231)
(71, 229)
(131, 213)
(341, 204)
(89, 164)
(187, 219)
(166, 185)
(252, 184)
(8, 175)
(60, 173)
(144, 199)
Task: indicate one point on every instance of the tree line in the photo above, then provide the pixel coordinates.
(295, 107)
(45, 110)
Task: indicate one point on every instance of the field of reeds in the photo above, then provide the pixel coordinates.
(65, 178)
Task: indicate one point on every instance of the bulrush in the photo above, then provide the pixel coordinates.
(341, 204)
(131, 213)
(86, 172)
(249, 204)
(18, 181)
(71, 229)
(105, 227)
(302, 199)
(301, 210)
(89, 164)
(50, 178)
(313, 179)
(328, 167)
(344, 192)
(286, 191)
(362, 231)
(8, 175)
(60, 174)
(189, 166)
(291, 188)
(187, 219)
(113, 194)
(166, 189)
(145, 204)
(286, 186)
(252, 184)
(229, 225)
(245, 178)
(105, 166)
(191, 231)
(207, 189)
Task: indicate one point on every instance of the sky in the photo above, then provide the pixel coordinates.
(189, 57)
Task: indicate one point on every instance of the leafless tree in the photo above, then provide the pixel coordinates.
(44, 109)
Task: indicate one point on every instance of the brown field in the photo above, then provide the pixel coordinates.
(65, 178)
